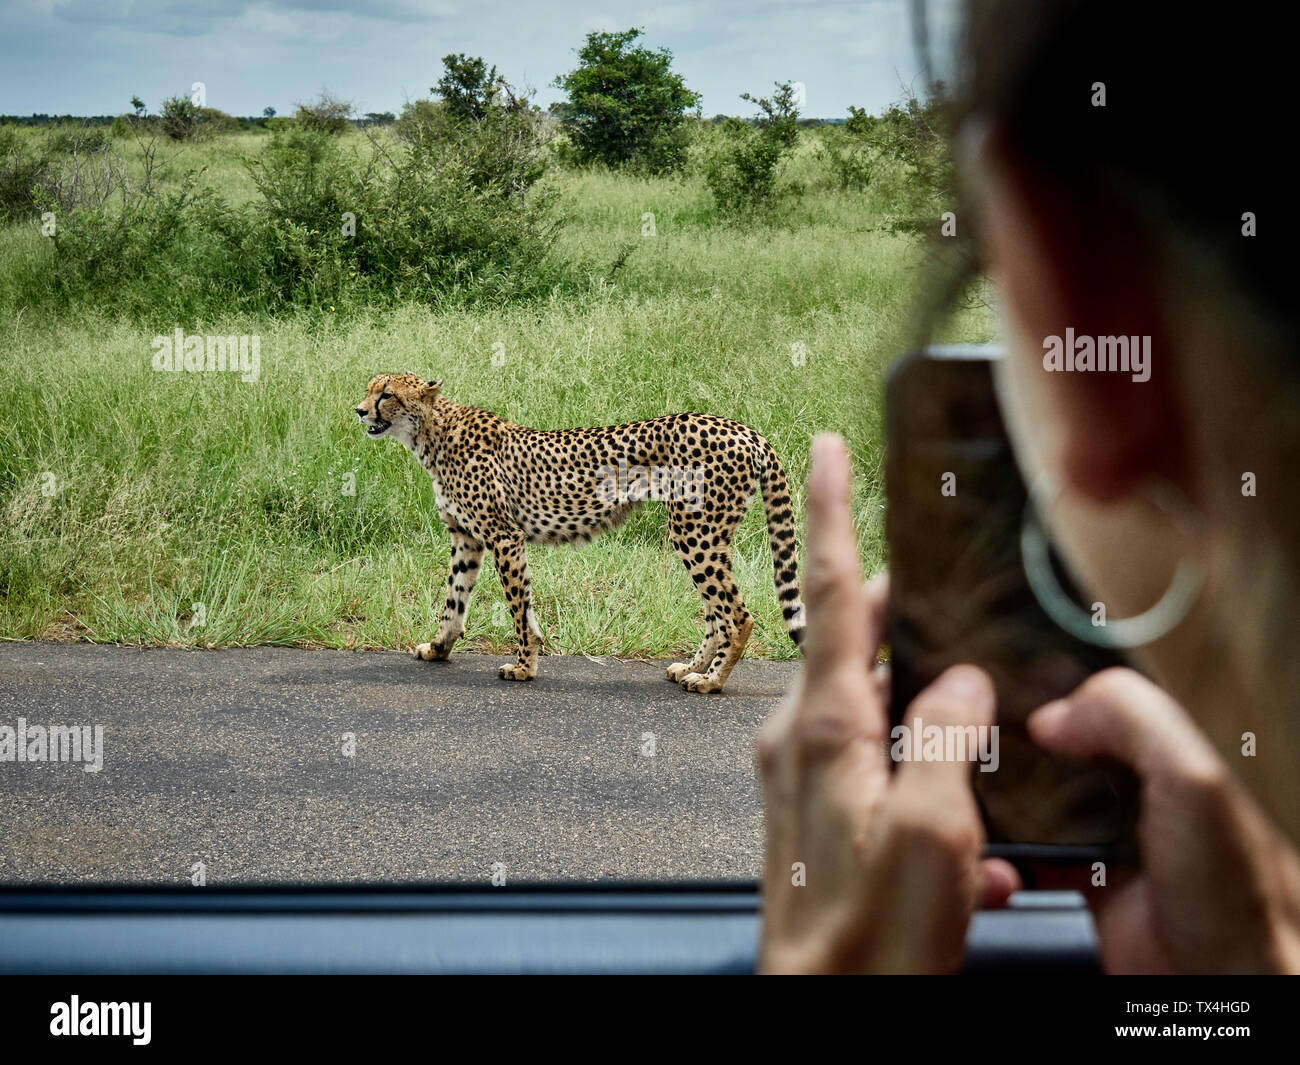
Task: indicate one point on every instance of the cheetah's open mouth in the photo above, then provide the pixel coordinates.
(377, 428)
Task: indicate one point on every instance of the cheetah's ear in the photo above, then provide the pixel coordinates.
(434, 385)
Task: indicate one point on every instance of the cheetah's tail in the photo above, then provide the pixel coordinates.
(780, 531)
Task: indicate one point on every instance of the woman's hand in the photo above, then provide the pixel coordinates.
(866, 870)
(1218, 888)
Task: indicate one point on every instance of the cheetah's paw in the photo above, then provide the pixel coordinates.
(699, 682)
(677, 671)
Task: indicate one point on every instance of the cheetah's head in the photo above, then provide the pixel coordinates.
(394, 404)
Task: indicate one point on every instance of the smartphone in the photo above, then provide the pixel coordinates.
(958, 593)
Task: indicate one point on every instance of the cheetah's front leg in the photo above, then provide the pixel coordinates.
(511, 559)
(466, 559)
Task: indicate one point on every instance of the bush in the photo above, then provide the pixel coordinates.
(332, 228)
(848, 152)
(213, 122)
(742, 172)
(325, 114)
(179, 118)
(626, 105)
(158, 253)
(778, 118)
(850, 163)
(22, 170)
(304, 176)
(84, 169)
(71, 166)
(426, 223)
(480, 125)
(78, 138)
(915, 137)
(505, 149)
(422, 120)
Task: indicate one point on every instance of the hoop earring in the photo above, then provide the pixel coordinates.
(1140, 629)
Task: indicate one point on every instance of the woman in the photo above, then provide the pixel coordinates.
(1121, 181)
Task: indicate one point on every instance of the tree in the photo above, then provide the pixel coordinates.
(859, 123)
(469, 87)
(138, 105)
(780, 117)
(268, 112)
(626, 104)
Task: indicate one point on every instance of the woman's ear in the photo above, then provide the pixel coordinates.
(1073, 270)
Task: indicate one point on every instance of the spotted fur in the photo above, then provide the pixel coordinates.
(500, 487)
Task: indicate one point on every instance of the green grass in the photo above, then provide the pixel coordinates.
(171, 490)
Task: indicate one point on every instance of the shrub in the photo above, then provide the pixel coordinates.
(480, 125)
(850, 165)
(157, 253)
(915, 137)
(332, 228)
(505, 149)
(325, 114)
(742, 172)
(73, 165)
(626, 105)
(212, 122)
(778, 118)
(179, 118)
(78, 138)
(850, 151)
(421, 120)
(84, 169)
(22, 170)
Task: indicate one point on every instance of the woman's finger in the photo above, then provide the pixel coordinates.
(834, 594)
(877, 596)
(999, 880)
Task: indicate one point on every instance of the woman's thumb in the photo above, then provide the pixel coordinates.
(1120, 714)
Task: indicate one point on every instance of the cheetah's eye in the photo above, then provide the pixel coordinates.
(383, 396)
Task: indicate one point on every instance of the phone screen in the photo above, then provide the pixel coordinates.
(958, 593)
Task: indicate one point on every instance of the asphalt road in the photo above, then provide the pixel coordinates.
(236, 759)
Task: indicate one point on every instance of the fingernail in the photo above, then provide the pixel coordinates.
(825, 446)
(964, 681)
(1048, 717)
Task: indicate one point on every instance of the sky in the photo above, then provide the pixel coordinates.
(89, 57)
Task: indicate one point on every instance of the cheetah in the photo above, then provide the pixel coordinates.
(500, 487)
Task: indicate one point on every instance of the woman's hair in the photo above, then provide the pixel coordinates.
(1175, 117)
